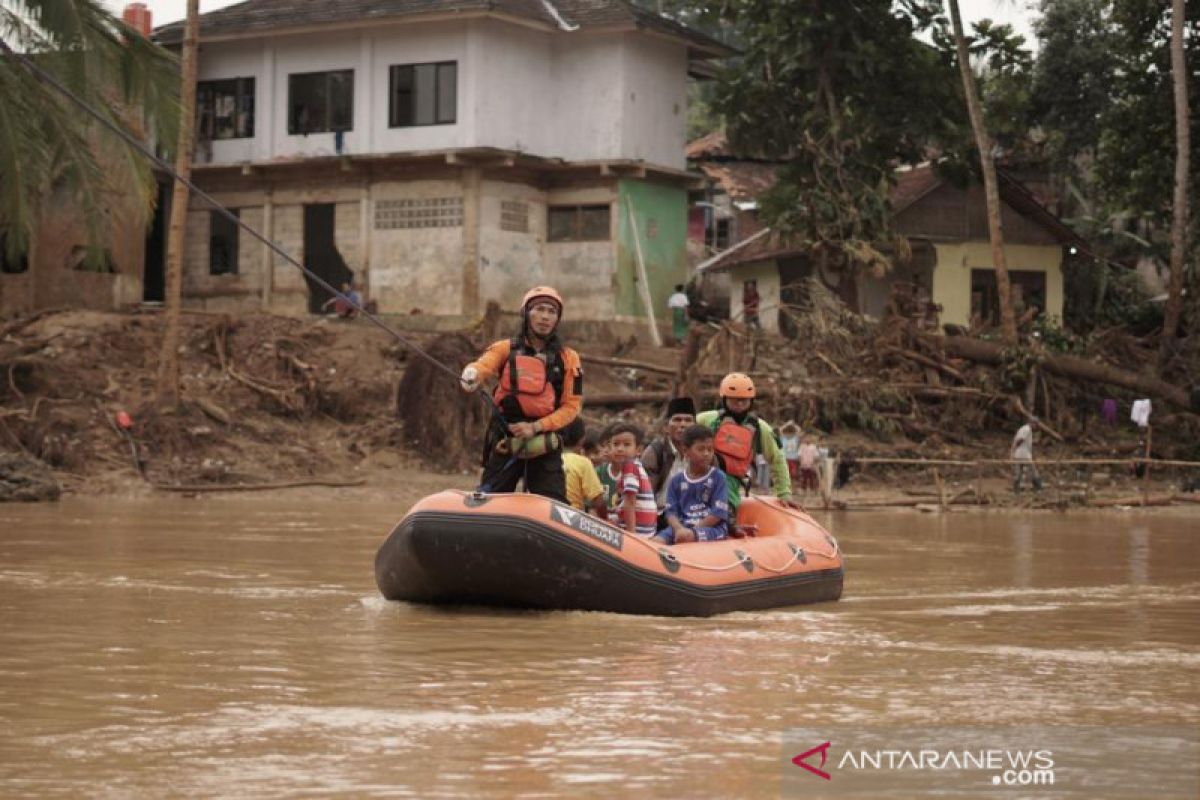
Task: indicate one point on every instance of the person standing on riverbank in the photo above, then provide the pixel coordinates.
(540, 391)
(1022, 453)
(677, 304)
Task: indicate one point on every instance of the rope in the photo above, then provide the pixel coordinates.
(49, 79)
(656, 547)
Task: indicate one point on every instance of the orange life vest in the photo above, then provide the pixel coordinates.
(535, 395)
(735, 443)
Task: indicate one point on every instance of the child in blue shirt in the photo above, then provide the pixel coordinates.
(697, 498)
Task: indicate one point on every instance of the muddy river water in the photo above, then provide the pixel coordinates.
(238, 647)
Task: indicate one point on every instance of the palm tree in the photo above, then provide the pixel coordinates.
(47, 144)
(1008, 324)
(167, 390)
(1179, 215)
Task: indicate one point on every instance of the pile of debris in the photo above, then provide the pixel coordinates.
(896, 386)
(265, 398)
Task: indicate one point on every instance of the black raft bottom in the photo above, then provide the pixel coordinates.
(434, 557)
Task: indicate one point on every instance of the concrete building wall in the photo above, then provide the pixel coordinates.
(289, 293)
(514, 87)
(409, 252)
(588, 84)
(585, 271)
(952, 275)
(577, 96)
(653, 110)
(510, 260)
(416, 269)
(57, 278)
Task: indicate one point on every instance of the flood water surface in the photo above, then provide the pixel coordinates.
(219, 647)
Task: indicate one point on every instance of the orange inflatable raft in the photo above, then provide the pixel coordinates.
(526, 551)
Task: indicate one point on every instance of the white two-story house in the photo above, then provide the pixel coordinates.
(443, 153)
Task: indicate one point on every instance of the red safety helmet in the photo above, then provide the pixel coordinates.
(737, 384)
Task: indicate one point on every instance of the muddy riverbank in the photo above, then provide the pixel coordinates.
(277, 401)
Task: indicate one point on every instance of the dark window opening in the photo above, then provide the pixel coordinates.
(1028, 290)
(10, 264)
(222, 244)
(319, 102)
(578, 224)
(225, 109)
(718, 233)
(423, 94)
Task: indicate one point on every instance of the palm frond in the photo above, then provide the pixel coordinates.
(48, 145)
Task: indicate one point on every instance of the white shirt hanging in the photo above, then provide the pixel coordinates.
(1140, 413)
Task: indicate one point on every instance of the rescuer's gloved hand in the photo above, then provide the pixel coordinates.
(469, 379)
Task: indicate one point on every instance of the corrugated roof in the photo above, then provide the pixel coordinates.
(255, 16)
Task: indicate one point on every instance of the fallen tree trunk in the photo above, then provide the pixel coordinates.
(625, 362)
(196, 488)
(1134, 500)
(1073, 367)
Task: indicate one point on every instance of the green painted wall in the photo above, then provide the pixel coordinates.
(661, 214)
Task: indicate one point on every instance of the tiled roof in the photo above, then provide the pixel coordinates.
(710, 145)
(263, 15)
(911, 185)
(741, 180)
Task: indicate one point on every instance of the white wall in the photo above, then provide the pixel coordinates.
(654, 101)
(570, 95)
(587, 86)
(237, 60)
(514, 87)
(766, 273)
(419, 45)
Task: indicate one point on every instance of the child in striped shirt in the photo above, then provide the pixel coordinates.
(634, 508)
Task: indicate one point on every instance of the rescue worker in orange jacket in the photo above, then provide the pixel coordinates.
(739, 436)
(540, 392)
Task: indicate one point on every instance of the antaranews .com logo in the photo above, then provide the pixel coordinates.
(1030, 761)
(1007, 767)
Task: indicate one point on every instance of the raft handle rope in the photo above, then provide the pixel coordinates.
(49, 79)
(741, 562)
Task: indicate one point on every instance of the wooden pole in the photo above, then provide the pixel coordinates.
(643, 281)
(1146, 466)
(167, 384)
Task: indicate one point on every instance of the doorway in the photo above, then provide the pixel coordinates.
(155, 254)
(321, 255)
